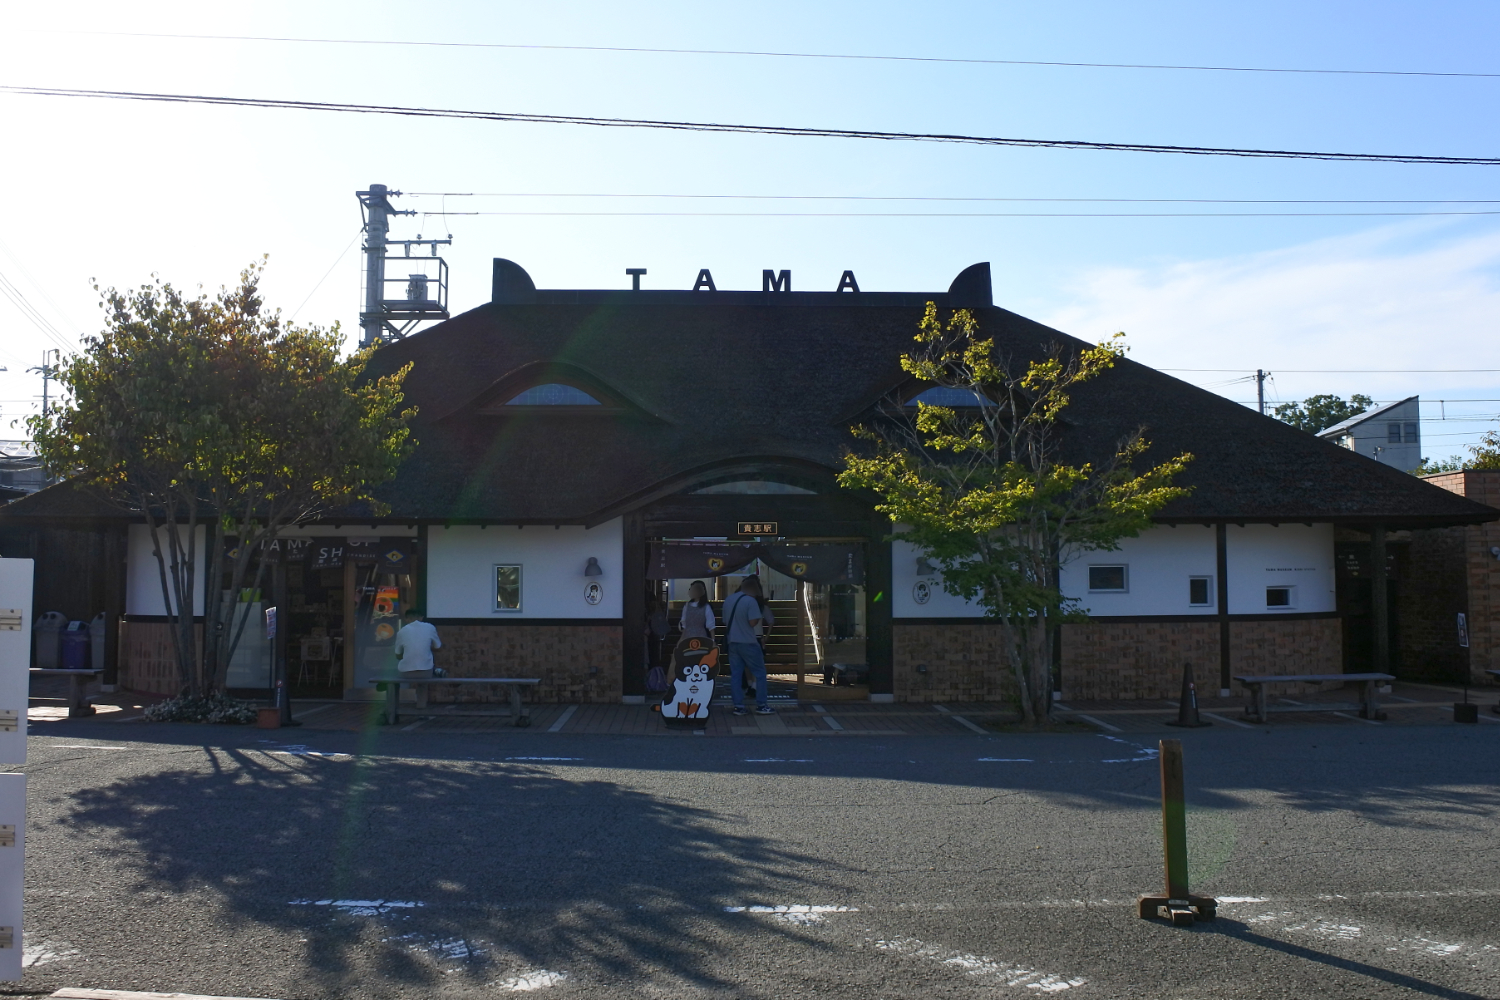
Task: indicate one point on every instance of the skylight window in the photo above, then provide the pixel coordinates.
(941, 395)
(554, 394)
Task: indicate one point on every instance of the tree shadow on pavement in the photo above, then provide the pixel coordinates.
(1241, 932)
(410, 873)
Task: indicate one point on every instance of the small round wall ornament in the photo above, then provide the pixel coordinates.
(593, 594)
(921, 592)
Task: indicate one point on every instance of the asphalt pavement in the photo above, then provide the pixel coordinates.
(1350, 861)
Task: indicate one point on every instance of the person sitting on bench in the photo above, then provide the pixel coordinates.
(414, 645)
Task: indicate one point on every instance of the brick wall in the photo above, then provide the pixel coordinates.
(965, 662)
(577, 663)
(1130, 661)
(147, 662)
(1481, 570)
(1135, 660)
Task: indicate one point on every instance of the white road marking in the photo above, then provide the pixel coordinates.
(1223, 718)
(1146, 753)
(314, 711)
(445, 948)
(562, 720)
(1482, 716)
(83, 746)
(833, 723)
(795, 913)
(982, 965)
(778, 760)
(541, 758)
(414, 725)
(1099, 722)
(360, 907)
(960, 720)
(1007, 760)
(1222, 900)
(47, 952)
(535, 980)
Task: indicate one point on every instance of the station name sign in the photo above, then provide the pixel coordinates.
(758, 528)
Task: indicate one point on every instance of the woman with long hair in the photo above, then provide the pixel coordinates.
(697, 614)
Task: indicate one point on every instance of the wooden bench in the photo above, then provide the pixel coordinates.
(78, 702)
(1369, 707)
(512, 686)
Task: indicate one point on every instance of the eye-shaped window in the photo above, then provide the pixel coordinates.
(942, 395)
(553, 394)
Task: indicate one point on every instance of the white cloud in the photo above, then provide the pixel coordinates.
(1390, 299)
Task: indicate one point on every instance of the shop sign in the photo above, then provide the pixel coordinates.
(757, 528)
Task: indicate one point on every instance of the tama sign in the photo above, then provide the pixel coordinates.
(757, 528)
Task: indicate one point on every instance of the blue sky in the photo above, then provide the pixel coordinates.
(114, 190)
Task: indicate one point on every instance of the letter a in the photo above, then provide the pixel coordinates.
(847, 281)
(770, 281)
(705, 280)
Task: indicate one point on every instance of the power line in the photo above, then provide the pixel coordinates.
(781, 130)
(31, 313)
(319, 285)
(890, 197)
(778, 55)
(968, 215)
(1348, 371)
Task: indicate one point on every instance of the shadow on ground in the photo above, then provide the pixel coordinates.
(509, 864)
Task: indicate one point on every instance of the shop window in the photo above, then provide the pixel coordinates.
(553, 394)
(1200, 591)
(1107, 579)
(1281, 597)
(508, 588)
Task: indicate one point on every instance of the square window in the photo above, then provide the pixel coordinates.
(1199, 589)
(1411, 433)
(1280, 597)
(508, 588)
(1393, 433)
(1107, 578)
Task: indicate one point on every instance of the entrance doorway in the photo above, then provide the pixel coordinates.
(816, 648)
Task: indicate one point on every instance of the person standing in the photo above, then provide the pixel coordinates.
(697, 614)
(742, 618)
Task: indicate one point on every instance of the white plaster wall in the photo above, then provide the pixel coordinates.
(904, 580)
(350, 531)
(1159, 562)
(1297, 555)
(143, 594)
(461, 570)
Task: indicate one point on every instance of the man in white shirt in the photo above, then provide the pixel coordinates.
(414, 645)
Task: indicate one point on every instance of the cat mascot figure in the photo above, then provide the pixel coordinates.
(694, 661)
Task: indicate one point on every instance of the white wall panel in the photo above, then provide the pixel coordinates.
(904, 579)
(16, 576)
(143, 578)
(461, 570)
(1160, 561)
(1288, 555)
(12, 871)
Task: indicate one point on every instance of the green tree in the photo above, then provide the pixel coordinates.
(214, 412)
(1484, 455)
(1318, 413)
(982, 489)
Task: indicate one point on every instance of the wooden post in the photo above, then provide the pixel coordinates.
(1176, 903)
(1380, 614)
(1173, 819)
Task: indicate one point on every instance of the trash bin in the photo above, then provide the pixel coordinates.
(75, 646)
(96, 639)
(48, 631)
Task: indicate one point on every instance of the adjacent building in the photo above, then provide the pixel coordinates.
(1390, 434)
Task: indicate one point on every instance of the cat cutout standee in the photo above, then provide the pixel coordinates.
(693, 688)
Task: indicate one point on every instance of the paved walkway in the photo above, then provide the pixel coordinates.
(1407, 704)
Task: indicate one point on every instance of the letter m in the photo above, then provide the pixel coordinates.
(770, 281)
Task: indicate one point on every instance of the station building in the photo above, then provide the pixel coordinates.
(583, 455)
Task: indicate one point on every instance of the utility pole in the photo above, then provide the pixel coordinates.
(1260, 390)
(48, 373)
(379, 315)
